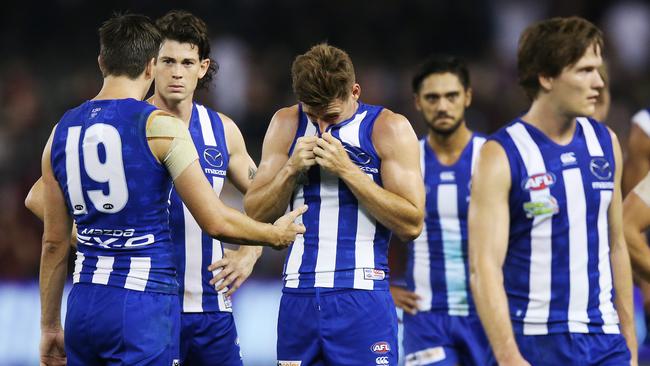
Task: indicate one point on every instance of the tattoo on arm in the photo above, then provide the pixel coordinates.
(251, 172)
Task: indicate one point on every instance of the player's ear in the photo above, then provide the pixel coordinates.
(416, 102)
(468, 97)
(356, 91)
(546, 82)
(149, 69)
(101, 64)
(204, 66)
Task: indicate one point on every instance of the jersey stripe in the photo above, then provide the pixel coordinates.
(104, 269)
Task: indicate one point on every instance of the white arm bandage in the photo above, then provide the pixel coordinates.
(181, 152)
(643, 189)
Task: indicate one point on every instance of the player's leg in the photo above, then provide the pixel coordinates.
(359, 327)
(470, 340)
(214, 340)
(299, 338)
(427, 340)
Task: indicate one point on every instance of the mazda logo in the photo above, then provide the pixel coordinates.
(213, 157)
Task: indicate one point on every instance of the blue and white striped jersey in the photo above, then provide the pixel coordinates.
(196, 250)
(343, 247)
(117, 193)
(557, 271)
(437, 267)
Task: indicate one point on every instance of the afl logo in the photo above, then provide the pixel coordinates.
(213, 157)
(357, 155)
(600, 168)
(380, 348)
(538, 182)
(108, 206)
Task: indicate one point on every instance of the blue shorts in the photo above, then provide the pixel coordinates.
(572, 349)
(209, 338)
(435, 338)
(108, 325)
(344, 327)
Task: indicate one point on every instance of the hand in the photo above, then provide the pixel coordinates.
(52, 348)
(331, 155)
(236, 266)
(514, 360)
(405, 299)
(288, 228)
(302, 158)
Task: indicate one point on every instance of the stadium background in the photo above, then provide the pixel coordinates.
(48, 64)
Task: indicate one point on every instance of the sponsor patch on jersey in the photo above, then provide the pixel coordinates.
(380, 348)
(568, 158)
(382, 361)
(447, 176)
(426, 356)
(373, 274)
(289, 363)
(602, 185)
(600, 168)
(537, 182)
(546, 206)
(213, 157)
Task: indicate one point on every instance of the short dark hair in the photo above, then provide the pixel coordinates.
(185, 27)
(127, 43)
(441, 64)
(321, 75)
(547, 47)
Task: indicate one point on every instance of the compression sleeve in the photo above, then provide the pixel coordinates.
(643, 189)
(181, 152)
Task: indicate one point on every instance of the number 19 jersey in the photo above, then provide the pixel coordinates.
(117, 193)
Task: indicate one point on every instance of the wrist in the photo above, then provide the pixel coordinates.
(508, 352)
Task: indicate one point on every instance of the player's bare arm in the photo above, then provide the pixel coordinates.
(620, 259)
(488, 226)
(636, 216)
(174, 148)
(399, 205)
(269, 194)
(54, 264)
(637, 162)
(34, 199)
(236, 265)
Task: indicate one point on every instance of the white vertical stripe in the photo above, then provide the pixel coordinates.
(423, 146)
(73, 171)
(593, 145)
(422, 270)
(78, 265)
(206, 126)
(297, 249)
(452, 249)
(539, 296)
(476, 149)
(193, 286)
(217, 250)
(606, 306)
(328, 227)
(578, 251)
(364, 254)
(138, 273)
(103, 269)
(642, 119)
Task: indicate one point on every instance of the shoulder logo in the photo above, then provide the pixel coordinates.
(537, 182)
(213, 157)
(600, 168)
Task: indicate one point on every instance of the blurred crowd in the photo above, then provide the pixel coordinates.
(50, 50)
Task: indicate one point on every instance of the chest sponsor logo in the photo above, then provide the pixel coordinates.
(213, 157)
(537, 182)
(380, 348)
(447, 176)
(373, 274)
(600, 168)
(546, 206)
(568, 158)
